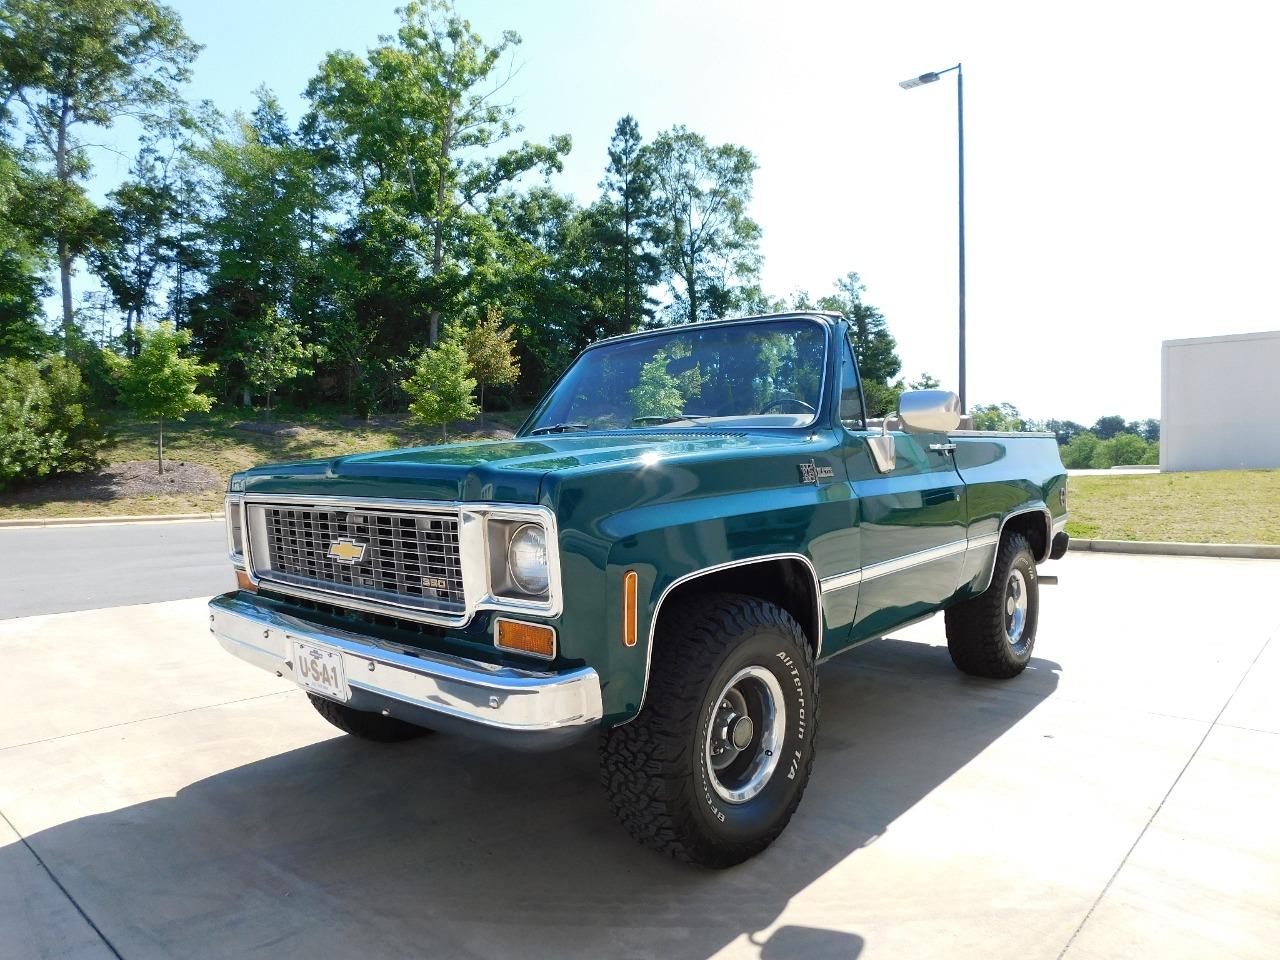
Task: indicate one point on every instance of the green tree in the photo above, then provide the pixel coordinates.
(1064, 430)
(274, 353)
(1078, 453)
(441, 386)
(491, 352)
(707, 243)
(1108, 427)
(873, 344)
(85, 63)
(625, 216)
(927, 381)
(159, 383)
(138, 236)
(44, 423)
(997, 416)
(415, 128)
(540, 260)
(22, 261)
(269, 242)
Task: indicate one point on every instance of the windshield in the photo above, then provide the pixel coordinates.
(758, 374)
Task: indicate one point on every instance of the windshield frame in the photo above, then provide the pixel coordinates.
(826, 323)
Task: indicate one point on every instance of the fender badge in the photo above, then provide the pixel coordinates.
(812, 473)
(347, 551)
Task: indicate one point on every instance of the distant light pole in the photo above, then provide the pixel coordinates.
(920, 81)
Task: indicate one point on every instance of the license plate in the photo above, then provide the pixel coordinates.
(320, 669)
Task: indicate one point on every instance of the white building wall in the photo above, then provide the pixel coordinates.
(1220, 402)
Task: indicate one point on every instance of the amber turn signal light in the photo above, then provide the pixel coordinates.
(629, 608)
(244, 583)
(525, 638)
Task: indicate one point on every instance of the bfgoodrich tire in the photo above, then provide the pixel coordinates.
(365, 725)
(715, 764)
(993, 634)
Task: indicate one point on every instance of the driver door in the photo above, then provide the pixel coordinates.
(912, 526)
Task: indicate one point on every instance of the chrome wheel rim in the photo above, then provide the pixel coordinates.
(1015, 608)
(744, 737)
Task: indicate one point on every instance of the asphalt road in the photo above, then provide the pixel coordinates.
(57, 569)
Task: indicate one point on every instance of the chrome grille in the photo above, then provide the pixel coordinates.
(409, 558)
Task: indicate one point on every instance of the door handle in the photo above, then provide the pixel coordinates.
(942, 447)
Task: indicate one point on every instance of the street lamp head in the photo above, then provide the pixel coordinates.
(918, 81)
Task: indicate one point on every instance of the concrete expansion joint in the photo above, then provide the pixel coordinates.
(1160, 806)
(53, 877)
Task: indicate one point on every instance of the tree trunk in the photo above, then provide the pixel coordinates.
(64, 248)
(626, 264)
(437, 251)
(444, 431)
(160, 447)
(481, 404)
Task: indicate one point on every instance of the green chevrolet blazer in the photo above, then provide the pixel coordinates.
(688, 523)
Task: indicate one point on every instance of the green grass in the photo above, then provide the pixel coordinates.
(213, 440)
(1221, 506)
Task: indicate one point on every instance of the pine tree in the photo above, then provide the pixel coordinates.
(441, 385)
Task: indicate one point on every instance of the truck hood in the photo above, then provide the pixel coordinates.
(507, 471)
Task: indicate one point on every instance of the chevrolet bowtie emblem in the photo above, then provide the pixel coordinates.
(347, 551)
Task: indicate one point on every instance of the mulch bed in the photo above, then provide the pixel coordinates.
(133, 478)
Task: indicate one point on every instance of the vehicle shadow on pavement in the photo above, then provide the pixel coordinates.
(444, 847)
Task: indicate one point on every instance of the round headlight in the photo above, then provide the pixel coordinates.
(527, 558)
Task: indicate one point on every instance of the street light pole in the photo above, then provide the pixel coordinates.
(920, 81)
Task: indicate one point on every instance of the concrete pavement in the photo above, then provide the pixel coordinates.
(54, 569)
(161, 799)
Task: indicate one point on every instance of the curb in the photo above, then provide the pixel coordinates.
(78, 521)
(1247, 551)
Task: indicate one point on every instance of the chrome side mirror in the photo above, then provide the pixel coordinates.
(929, 411)
(883, 453)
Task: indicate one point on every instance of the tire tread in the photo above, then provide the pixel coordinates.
(646, 765)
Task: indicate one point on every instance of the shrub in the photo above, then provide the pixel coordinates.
(1120, 450)
(44, 427)
(1078, 454)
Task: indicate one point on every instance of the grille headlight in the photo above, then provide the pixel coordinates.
(527, 559)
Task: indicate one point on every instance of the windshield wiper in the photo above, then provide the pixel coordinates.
(661, 419)
(557, 428)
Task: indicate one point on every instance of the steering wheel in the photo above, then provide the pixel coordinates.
(781, 400)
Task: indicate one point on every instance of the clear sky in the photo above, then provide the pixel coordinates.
(1122, 158)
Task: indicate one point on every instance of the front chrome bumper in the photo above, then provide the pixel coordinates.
(528, 709)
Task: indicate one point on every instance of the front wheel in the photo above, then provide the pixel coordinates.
(714, 766)
(993, 634)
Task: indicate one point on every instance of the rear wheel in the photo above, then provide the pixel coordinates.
(993, 634)
(365, 725)
(715, 764)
